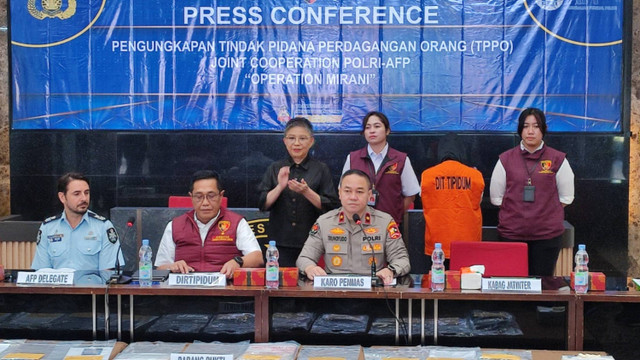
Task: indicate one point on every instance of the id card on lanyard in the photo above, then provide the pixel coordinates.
(373, 200)
(529, 193)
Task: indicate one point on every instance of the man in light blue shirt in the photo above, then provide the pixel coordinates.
(77, 238)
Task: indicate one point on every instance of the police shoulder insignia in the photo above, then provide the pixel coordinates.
(314, 229)
(51, 218)
(112, 235)
(39, 237)
(393, 230)
(96, 216)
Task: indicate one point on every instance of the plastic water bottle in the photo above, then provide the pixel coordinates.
(273, 268)
(437, 268)
(144, 265)
(581, 272)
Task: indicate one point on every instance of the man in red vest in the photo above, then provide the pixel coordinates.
(208, 238)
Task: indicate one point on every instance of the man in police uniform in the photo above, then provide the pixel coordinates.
(346, 249)
(77, 238)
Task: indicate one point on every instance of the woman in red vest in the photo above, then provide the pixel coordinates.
(532, 183)
(394, 182)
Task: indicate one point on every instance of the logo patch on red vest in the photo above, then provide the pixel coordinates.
(393, 169)
(546, 167)
(224, 225)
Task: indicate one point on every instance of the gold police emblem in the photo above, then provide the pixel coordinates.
(224, 225)
(336, 261)
(51, 9)
(546, 167)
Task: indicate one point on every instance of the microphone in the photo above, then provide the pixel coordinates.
(118, 275)
(130, 222)
(375, 281)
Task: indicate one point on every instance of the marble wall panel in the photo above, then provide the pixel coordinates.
(634, 149)
(5, 208)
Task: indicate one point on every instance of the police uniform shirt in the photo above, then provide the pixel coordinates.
(347, 250)
(92, 245)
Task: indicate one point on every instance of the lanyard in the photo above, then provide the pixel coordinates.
(372, 170)
(535, 163)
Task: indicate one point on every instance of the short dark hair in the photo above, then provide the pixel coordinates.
(301, 122)
(64, 180)
(203, 175)
(540, 119)
(381, 116)
(356, 172)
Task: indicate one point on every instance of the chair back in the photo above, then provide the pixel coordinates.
(499, 258)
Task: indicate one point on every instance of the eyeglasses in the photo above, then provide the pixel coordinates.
(199, 197)
(301, 139)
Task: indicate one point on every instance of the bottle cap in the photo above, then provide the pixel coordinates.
(438, 246)
(145, 242)
(582, 247)
(272, 243)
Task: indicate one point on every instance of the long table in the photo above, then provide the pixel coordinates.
(630, 297)
(263, 297)
(93, 291)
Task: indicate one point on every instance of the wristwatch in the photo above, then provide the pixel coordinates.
(239, 260)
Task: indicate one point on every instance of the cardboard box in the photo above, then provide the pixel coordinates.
(249, 277)
(451, 281)
(288, 276)
(597, 281)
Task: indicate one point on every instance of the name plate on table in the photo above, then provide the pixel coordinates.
(512, 284)
(45, 278)
(185, 356)
(342, 282)
(198, 279)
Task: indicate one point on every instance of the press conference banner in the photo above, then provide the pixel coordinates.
(430, 65)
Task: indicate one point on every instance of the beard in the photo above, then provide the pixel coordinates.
(81, 209)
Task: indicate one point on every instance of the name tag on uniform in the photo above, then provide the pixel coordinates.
(185, 356)
(512, 284)
(198, 279)
(342, 282)
(45, 278)
(55, 238)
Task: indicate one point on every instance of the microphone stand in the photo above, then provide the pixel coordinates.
(375, 280)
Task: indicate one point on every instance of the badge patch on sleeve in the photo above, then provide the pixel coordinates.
(112, 235)
(393, 230)
(314, 229)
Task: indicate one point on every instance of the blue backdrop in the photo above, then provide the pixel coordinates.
(467, 65)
